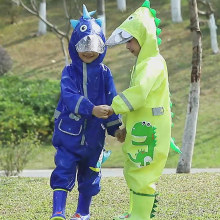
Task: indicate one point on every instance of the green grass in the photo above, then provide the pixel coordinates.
(41, 57)
(181, 197)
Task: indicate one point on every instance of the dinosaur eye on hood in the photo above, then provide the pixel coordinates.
(83, 28)
(131, 18)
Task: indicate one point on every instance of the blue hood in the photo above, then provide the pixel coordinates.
(93, 28)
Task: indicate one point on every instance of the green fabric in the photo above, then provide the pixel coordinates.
(142, 208)
(149, 88)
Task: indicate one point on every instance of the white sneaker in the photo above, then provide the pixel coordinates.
(77, 216)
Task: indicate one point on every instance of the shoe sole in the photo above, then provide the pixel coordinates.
(57, 218)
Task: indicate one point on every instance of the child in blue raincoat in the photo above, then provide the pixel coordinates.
(81, 118)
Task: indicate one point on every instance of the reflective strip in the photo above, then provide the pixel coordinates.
(74, 117)
(66, 132)
(126, 101)
(157, 111)
(111, 123)
(56, 114)
(83, 140)
(132, 73)
(78, 104)
(86, 95)
(85, 80)
(83, 136)
(60, 190)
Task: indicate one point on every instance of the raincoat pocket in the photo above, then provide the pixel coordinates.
(70, 126)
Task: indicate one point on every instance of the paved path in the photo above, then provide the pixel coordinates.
(110, 172)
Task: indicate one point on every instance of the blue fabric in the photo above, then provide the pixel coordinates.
(84, 202)
(59, 203)
(78, 135)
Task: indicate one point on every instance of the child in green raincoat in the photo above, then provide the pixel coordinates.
(145, 107)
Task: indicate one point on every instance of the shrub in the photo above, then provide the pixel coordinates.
(26, 106)
(16, 153)
(5, 61)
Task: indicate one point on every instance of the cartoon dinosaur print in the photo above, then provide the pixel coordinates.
(142, 158)
(143, 134)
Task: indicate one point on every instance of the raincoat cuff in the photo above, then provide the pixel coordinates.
(90, 108)
(114, 108)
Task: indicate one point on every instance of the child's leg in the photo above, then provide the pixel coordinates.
(140, 174)
(143, 207)
(88, 184)
(82, 212)
(62, 180)
(84, 202)
(59, 204)
(128, 213)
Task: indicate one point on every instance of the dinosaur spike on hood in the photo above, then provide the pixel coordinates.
(99, 21)
(74, 23)
(91, 13)
(153, 11)
(86, 14)
(146, 4)
(158, 31)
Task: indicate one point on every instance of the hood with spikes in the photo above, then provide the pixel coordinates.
(142, 25)
(87, 34)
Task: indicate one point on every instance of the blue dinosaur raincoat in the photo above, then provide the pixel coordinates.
(78, 135)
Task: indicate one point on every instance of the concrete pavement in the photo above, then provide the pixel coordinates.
(110, 172)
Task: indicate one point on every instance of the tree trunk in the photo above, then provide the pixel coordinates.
(176, 11)
(213, 34)
(101, 13)
(42, 27)
(185, 161)
(121, 5)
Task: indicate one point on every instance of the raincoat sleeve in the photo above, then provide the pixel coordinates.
(133, 98)
(75, 102)
(114, 121)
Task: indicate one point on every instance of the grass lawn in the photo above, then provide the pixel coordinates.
(181, 197)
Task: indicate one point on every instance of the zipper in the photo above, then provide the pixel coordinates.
(85, 77)
(132, 73)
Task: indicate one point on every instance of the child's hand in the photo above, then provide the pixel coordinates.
(110, 111)
(120, 134)
(101, 111)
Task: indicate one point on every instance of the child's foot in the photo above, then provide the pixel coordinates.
(57, 216)
(77, 216)
(123, 216)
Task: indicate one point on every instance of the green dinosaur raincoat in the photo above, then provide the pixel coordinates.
(145, 106)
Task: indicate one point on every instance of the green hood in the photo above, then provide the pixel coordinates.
(142, 25)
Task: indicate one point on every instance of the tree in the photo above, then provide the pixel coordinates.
(42, 27)
(209, 13)
(121, 5)
(184, 164)
(101, 13)
(176, 11)
(62, 35)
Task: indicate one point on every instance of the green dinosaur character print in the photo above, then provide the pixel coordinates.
(142, 158)
(143, 134)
